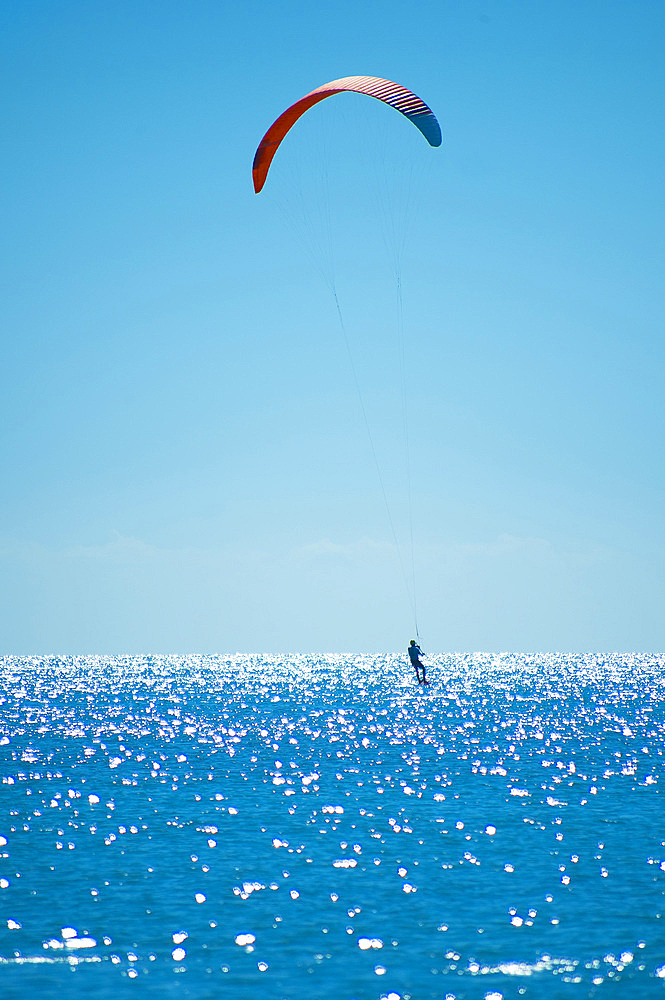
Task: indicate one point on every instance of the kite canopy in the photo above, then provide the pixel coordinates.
(383, 90)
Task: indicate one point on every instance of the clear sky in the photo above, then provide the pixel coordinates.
(184, 463)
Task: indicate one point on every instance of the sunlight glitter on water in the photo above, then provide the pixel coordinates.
(287, 821)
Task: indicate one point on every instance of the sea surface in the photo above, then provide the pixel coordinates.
(321, 828)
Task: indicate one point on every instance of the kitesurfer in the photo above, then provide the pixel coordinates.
(415, 652)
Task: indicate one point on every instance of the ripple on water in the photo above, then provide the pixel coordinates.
(319, 825)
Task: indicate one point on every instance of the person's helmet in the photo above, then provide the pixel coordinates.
(412, 643)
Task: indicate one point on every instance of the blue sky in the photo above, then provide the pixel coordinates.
(184, 461)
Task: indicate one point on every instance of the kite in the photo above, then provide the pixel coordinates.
(390, 93)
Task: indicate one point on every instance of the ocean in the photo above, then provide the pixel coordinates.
(317, 827)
